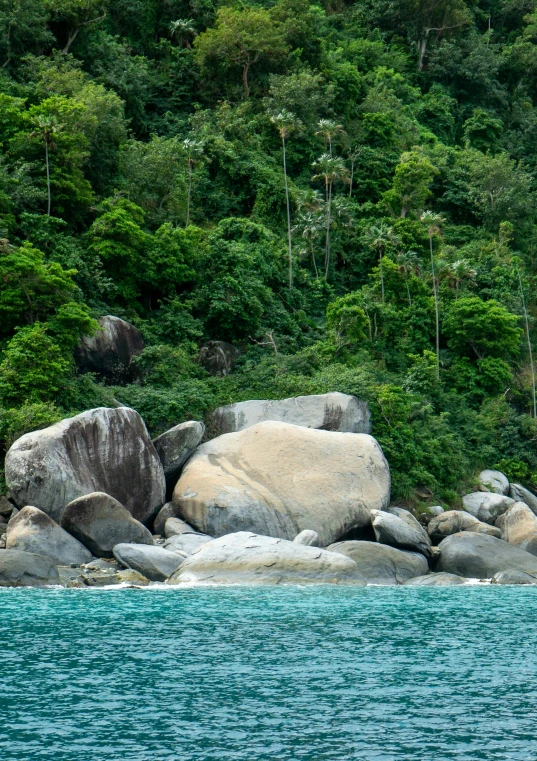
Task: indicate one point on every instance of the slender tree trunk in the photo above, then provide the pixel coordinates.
(189, 193)
(288, 215)
(435, 290)
(408, 289)
(313, 257)
(381, 252)
(529, 345)
(327, 260)
(49, 199)
(245, 84)
(352, 177)
(422, 49)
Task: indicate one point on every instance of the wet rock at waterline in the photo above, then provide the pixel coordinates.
(109, 352)
(493, 481)
(32, 530)
(514, 577)
(102, 450)
(278, 479)
(155, 563)
(455, 521)
(175, 446)
(244, 557)
(381, 564)
(26, 569)
(327, 412)
(480, 556)
(100, 522)
(436, 580)
(518, 526)
(486, 506)
(400, 529)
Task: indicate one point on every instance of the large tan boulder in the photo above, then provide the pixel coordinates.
(519, 527)
(278, 479)
(454, 521)
(246, 558)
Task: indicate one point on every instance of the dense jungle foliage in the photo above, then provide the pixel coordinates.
(346, 192)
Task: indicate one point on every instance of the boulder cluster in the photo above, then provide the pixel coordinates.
(294, 491)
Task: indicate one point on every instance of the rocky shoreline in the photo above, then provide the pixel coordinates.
(294, 491)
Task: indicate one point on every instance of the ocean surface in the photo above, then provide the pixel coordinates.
(283, 674)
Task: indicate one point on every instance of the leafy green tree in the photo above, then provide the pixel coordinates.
(433, 223)
(23, 29)
(330, 169)
(482, 329)
(75, 15)
(414, 175)
(194, 152)
(346, 320)
(241, 39)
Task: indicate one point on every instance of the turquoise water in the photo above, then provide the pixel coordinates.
(286, 674)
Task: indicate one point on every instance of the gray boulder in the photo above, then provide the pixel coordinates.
(518, 526)
(514, 577)
(308, 538)
(434, 510)
(493, 481)
(25, 569)
(186, 543)
(381, 564)
(277, 479)
(405, 533)
(480, 556)
(520, 494)
(246, 558)
(436, 580)
(100, 522)
(176, 526)
(155, 563)
(328, 412)
(218, 358)
(486, 506)
(109, 352)
(32, 530)
(105, 450)
(175, 446)
(454, 521)
(6, 508)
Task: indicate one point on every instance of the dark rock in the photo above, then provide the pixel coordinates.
(480, 556)
(175, 446)
(104, 450)
(398, 528)
(326, 412)
(25, 569)
(34, 531)
(6, 507)
(155, 563)
(381, 564)
(218, 357)
(100, 522)
(109, 352)
(436, 580)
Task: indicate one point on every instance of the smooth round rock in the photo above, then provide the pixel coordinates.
(155, 563)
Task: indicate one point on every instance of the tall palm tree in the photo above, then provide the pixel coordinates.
(378, 237)
(433, 223)
(46, 127)
(194, 151)
(353, 154)
(408, 263)
(459, 271)
(330, 169)
(328, 129)
(285, 122)
(309, 226)
(184, 29)
(529, 341)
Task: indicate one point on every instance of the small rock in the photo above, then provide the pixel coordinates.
(520, 494)
(176, 526)
(175, 446)
(434, 510)
(155, 563)
(454, 521)
(486, 506)
(186, 542)
(109, 565)
(493, 481)
(100, 522)
(308, 538)
(130, 576)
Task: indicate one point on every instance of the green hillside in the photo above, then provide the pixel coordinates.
(345, 192)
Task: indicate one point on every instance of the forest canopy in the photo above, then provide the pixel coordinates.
(344, 191)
